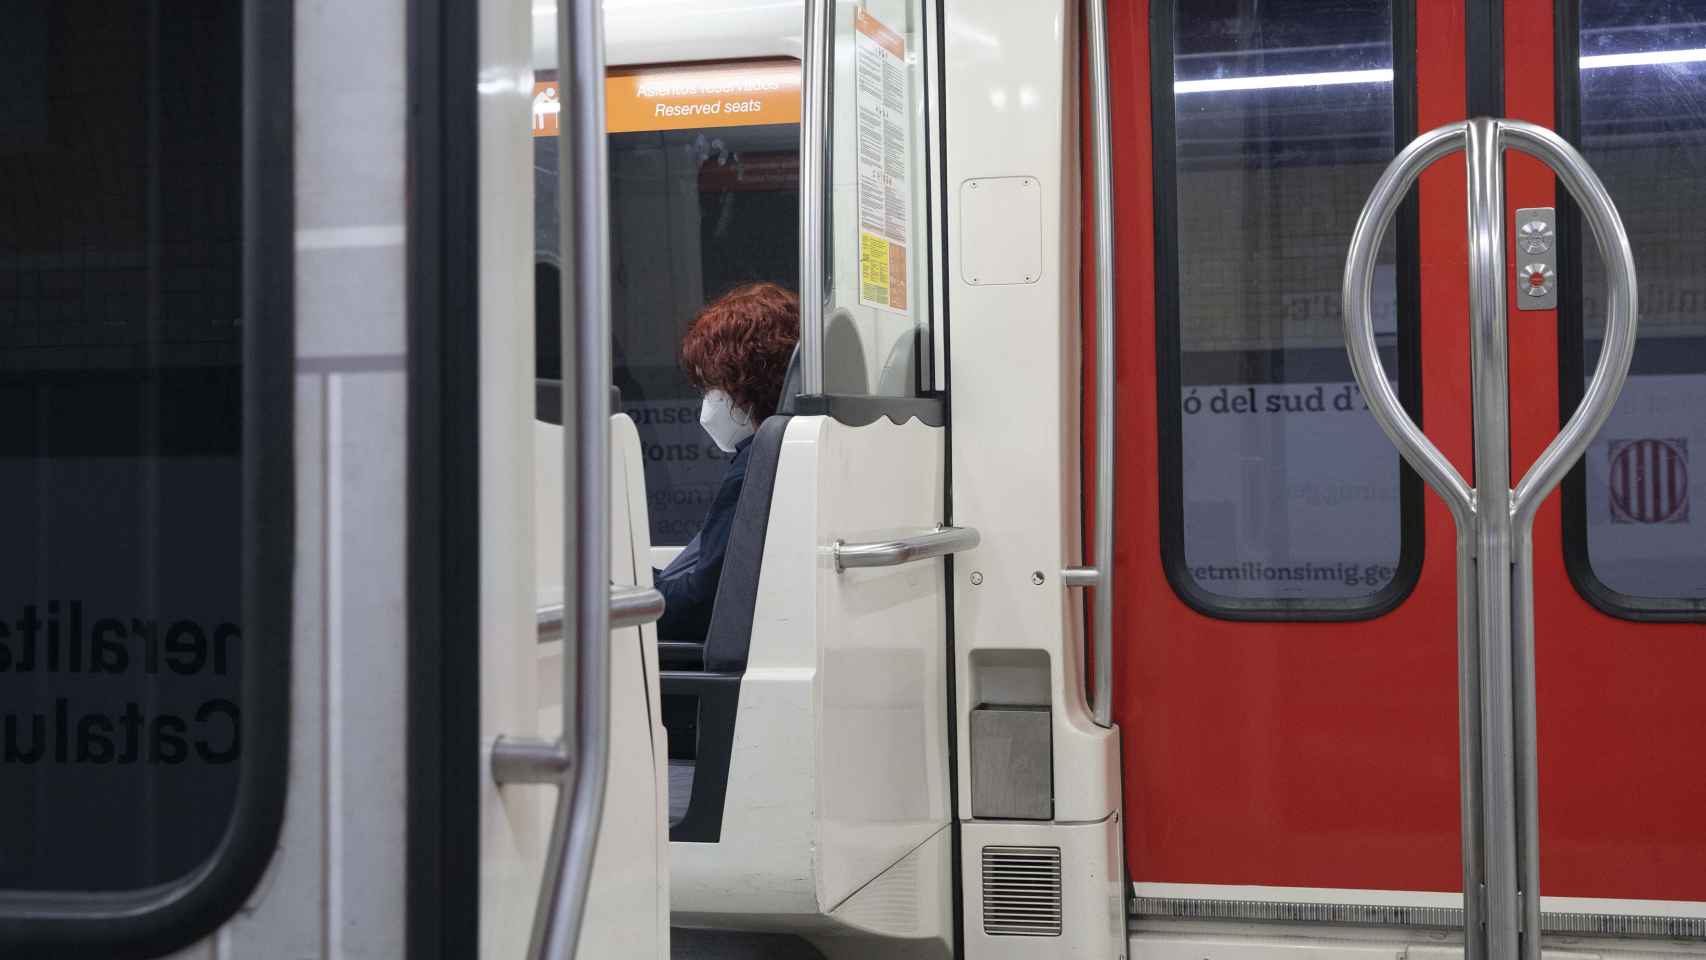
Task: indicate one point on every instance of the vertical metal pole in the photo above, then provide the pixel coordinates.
(817, 66)
(582, 166)
(1495, 553)
(1102, 601)
(1469, 748)
(1527, 739)
(1491, 373)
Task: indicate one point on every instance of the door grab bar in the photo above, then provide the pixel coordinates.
(634, 606)
(578, 760)
(1080, 576)
(629, 607)
(892, 553)
(1101, 576)
(1495, 550)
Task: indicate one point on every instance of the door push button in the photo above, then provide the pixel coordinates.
(1537, 242)
(1539, 280)
(1534, 237)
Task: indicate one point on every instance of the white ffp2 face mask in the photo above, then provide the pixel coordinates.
(726, 423)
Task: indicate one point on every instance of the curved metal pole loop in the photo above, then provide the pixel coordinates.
(1358, 293)
(1618, 348)
(1499, 758)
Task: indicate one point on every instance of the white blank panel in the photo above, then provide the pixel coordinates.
(1001, 231)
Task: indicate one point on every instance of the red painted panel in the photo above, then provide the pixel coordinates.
(1621, 716)
(1325, 755)
(1297, 754)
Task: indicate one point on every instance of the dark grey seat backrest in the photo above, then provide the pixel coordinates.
(730, 633)
(791, 380)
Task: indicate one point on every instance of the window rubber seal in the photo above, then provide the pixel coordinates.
(1168, 373)
(155, 920)
(1578, 563)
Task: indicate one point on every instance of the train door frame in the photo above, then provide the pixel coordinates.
(446, 608)
(155, 920)
(1470, 52)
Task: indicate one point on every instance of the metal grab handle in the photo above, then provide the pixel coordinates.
(634, 607)
(1101, 576)
(629, 607)
(578, 761)
(1499, 766)
(1618, 350)
(892, 553)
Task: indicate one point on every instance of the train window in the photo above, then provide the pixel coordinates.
(876, 337)
(704, 196)
(1637, 509)
(1272, 127)
(136, 723)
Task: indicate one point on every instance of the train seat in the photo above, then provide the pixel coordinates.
(696, 697)
(808, 757)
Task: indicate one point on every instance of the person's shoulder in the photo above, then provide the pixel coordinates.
(743, 453)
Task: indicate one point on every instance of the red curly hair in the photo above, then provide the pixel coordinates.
(740, 344)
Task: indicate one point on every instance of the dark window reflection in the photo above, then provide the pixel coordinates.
(693, 213)
(1643, 114)
(1284, 119)
(120, 435)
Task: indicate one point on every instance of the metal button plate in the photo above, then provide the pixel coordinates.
(1536, 231)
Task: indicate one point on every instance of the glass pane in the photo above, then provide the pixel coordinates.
(120, 439)
(704, 197)
(1643, 110)
(1284, 119)
(877, 325)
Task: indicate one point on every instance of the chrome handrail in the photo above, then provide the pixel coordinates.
(892, 553)
(578, 760)
(634, 606)
(817, 64)
(629, 607)
(1101, 576)
(1500, 800)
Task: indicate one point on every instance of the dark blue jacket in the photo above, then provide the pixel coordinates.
(689, 583)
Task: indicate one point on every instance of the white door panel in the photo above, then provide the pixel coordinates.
(817, 830)
(627, 908)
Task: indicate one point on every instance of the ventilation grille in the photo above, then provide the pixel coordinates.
(1021, 891)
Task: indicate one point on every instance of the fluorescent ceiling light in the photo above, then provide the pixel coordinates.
(1600, 61)
(1331, 78)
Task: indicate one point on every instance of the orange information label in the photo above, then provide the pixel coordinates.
(685, 98)
(884, 37)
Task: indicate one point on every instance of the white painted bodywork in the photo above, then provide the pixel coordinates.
(1012, 112)
(513, 831)
(335, 886)
(1093, 908)
(839, 764)
(627, 913)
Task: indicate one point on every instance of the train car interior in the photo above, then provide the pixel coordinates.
(853, 479)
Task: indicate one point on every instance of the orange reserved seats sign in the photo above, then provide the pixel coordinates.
(685, 98)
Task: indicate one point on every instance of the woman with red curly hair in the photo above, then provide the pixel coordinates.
(736, 351)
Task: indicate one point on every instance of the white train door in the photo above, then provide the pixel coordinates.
(269, 597)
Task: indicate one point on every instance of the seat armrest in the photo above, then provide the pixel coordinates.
(717, 695)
